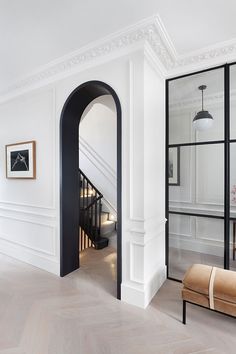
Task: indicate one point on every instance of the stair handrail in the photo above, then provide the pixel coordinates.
(93, 202)
(92, 185)
(91, 212)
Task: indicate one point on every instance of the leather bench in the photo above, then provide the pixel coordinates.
(210, 287)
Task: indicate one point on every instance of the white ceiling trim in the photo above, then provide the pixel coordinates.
(151, 31)
(220, 53)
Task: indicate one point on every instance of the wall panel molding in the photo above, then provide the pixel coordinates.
(98, 162)
(210, 247)
(33, 257)
(136, 256)
(25, 205)
(131, 139)
(49, 215)
(35, 249)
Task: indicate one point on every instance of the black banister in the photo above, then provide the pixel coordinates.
(93, 202)
(88, 181)
(90, 214)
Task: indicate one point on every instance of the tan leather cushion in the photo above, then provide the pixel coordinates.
(225, 285)
(196, 298)
(199, 299)
(225, 307)
(197, 278)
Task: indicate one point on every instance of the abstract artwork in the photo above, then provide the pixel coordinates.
(20, 160)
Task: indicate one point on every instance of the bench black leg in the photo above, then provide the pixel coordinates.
(184, 312)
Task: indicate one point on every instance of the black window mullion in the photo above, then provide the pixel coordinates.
(227, 167)
(226, 143)
(197, 143)
(167, 180)
(210, 216)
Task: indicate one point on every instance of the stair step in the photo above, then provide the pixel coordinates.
(104, 216)
(108, 227)
(101, 243)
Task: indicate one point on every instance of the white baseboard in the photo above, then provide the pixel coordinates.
(139, 295)
(155, 283)
(29, 256)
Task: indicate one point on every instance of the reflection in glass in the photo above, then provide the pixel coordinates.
(185, 101)
(233, 180)
(233, 102)
(232, 254)
(233, 206)
(200, 187)
(194, 240)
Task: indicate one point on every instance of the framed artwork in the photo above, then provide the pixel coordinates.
(174, 166)
(21, 160)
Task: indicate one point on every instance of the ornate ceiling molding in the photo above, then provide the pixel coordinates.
(151, 31)
(221, 51)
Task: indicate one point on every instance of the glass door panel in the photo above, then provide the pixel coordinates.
(185, 100)
(194, 240)
(232, 252)
(233, 102)
(200, 187)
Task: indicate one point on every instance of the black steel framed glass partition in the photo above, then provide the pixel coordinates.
(201, 170)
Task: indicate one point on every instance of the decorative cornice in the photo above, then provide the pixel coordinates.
(220, 50)
(150, 31)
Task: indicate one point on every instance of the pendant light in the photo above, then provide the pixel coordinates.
(203, 119)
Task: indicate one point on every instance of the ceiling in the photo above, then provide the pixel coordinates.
(33, 33)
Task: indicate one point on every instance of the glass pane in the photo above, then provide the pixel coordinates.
(194, 240)
(232, 251)
(185, 100)
(196, 184)
(233, 180)
(233, 206)
(233, 102)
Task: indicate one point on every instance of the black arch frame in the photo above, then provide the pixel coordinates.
(71, 114)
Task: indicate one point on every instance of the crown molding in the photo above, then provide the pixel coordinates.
(208, 53)
(220, 53)
(149, 32)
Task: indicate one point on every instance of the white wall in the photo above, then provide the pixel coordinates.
(146, 244)
(28, 226)
(29, 210)
(98, 146)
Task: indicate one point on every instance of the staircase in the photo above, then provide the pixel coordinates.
(95, 224)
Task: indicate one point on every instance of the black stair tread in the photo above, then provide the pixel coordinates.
(102, 242)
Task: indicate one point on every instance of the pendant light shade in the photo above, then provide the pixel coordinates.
(203, 119)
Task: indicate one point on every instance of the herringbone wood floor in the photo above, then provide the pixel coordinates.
(44, 314)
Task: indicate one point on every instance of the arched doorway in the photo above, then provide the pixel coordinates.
(69, 174)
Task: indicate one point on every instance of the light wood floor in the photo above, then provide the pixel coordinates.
(43, 314)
